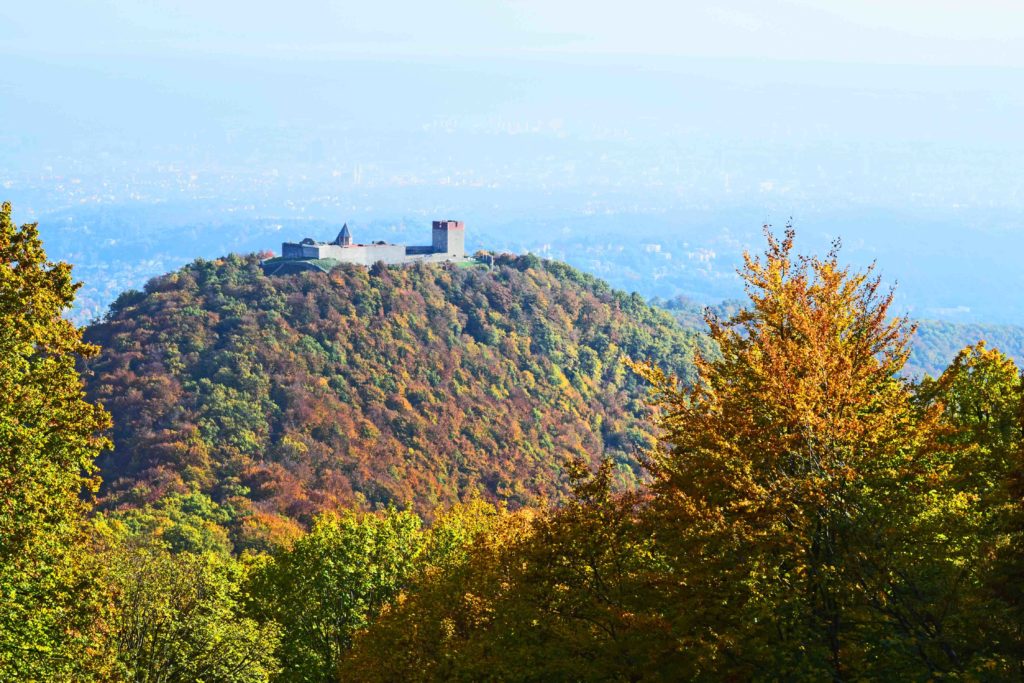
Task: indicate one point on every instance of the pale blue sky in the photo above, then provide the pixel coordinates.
(941, 32)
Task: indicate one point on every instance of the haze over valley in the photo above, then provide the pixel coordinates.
(653, 172)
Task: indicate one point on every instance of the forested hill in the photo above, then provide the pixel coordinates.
(284, 395)
(937, 342)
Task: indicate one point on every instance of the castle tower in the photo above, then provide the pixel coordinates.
(450, 238)
(344, 238)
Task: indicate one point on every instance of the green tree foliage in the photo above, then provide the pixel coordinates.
(183, 522)
(454, 531)
(49, 438)
(442, 627)
(332, 583)
(981, 399)
(287, 395)
(177, 617)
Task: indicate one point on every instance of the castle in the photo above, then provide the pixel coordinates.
(448, 245)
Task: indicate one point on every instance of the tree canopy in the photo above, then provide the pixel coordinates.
(290, 455)
(49, 439)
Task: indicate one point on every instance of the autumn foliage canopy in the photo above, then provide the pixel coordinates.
(432, 474)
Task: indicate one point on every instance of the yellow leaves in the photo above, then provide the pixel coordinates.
(447, 628)
(477, 608)
(560, 380)
(791, 437)
(527, 380)
(293, 446)
(49, 439)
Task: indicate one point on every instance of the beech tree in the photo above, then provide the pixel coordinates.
(331, 583)
(981, 399)
(177, 616)
(794, 475)
(49, 438)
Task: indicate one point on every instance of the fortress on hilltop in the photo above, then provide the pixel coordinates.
(448, 245)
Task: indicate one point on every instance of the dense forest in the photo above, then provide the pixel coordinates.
(801, 510)
(421, 386)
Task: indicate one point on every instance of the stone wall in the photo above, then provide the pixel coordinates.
(449, 239)
(364, 254)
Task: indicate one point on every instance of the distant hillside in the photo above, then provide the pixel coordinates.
(284, 395)
(935, 344)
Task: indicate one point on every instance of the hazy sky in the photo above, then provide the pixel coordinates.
(943, 32)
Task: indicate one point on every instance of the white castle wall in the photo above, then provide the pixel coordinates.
(448, 245)
(363, 254)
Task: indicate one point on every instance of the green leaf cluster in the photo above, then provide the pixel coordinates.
(49, 439)
(178, 617)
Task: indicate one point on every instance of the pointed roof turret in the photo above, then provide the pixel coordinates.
(344, 238)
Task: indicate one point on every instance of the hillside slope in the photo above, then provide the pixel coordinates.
(422, 385)
(937, 342)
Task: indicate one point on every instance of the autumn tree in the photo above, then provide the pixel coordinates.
(980, 396)
(560, 594)
(790, 479)
(177, 616)
(443, 626)
(331, 583)
(49, 438)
